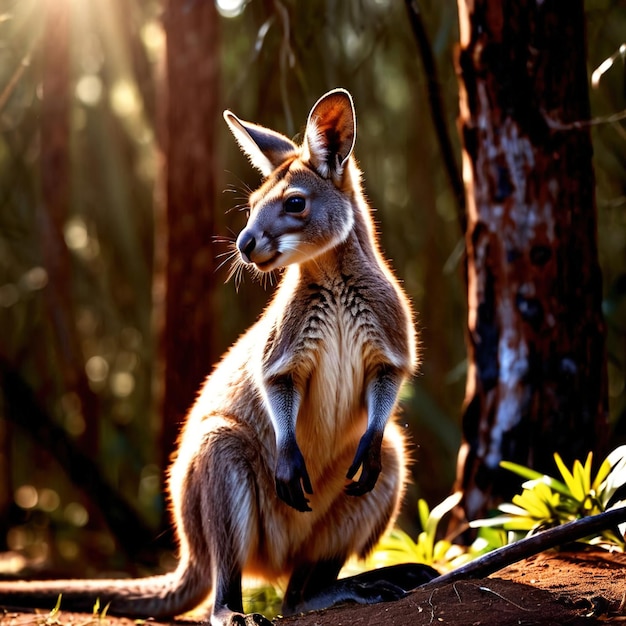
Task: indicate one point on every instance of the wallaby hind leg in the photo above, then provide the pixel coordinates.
(228, 518)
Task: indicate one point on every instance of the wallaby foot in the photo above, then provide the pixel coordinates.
(315, 586)
(227, 617)
(248, 619)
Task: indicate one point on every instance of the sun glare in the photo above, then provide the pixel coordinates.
(230, 8)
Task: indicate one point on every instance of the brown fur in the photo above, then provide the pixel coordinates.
(331, 350)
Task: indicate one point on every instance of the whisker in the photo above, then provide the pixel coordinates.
(243, 186)
(234, 269)
(223, 239)
(244, 206)
(229, 253)
(231, 256)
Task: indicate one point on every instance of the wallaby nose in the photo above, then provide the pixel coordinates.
(246, 244)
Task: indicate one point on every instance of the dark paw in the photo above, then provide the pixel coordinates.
(258, 620)
(292, 478)
(368, 458)
(365, 484)
(251, 619)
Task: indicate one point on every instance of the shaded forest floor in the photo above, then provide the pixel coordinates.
(567, 588)
(552, 588)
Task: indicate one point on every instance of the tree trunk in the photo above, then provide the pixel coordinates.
(190, 119)
(536, 382)
(52, 217)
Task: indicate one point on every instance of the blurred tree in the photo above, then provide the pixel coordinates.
(537, 376)
(53, 214)
(186, 271)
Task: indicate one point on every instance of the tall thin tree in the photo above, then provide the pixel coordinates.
(190, 120)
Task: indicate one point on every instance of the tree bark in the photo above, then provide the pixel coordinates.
(190, 119)
(536, 382)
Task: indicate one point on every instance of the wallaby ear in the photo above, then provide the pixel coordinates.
(331, 132)
(265, 148)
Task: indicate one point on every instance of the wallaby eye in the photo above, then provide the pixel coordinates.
(294, 204)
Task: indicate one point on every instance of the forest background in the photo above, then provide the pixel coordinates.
(90, 125)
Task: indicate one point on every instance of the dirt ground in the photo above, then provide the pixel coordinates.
(554, 588)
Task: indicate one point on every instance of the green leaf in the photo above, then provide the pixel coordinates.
(446, 506)
(552, 483)
(423, 512)
(508, 522)
(424, 552)
(615, 480)
(440, 550)
(397, 547)
(567, 475)
(57, 607)
(521, 523)
(511, 509)
(587, 472)
(524, 472)
(581, 484)
(440, 510)
(603, 472)
(533, 503)
(105, 610)
(489, 522)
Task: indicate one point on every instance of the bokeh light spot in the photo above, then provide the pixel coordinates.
(97, 369)
(122, 384)
(89, 89)
(76, 514)
(26, 497)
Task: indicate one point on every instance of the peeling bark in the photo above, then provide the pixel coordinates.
(536, 383)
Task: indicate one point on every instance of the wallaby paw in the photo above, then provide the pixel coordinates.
(249, 619)
(368, 457)
(292, 478)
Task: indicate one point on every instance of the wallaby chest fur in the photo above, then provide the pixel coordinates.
(290, 459)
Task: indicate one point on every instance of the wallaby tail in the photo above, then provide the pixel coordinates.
(157, 596)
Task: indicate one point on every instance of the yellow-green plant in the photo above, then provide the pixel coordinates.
(98, 613)
(399, 547)
(547, 501)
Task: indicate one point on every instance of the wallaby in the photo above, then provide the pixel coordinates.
(301, 404)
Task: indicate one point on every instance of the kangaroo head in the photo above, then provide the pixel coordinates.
(303, 208)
